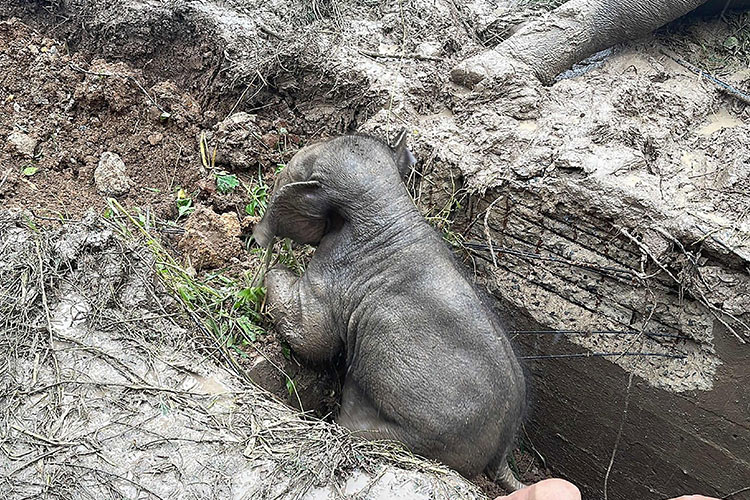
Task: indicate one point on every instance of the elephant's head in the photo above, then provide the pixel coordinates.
(325, 178)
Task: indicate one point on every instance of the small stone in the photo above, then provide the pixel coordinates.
(240, 118)
(110, 177)
(230, 224)
(22, 144)
(155, 139)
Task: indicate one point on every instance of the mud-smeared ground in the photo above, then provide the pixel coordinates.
(109, 389)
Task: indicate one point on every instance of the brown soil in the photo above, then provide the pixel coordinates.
(73, 113)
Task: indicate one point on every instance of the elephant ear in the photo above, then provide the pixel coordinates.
(404, 159)
(298, 210)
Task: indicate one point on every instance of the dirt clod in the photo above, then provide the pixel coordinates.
(110, 177)
(211, 240)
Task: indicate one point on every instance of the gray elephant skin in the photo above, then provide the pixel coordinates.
(427, 362)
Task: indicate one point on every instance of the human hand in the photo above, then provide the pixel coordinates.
(560, 489)
(549, 489)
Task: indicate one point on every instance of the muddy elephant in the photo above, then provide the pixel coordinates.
(577, 29)
(427, 362)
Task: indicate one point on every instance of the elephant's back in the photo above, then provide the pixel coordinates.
(431, 359)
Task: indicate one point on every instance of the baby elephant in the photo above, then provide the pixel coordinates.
(428, 363)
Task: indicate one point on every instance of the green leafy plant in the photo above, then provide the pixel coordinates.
(29, 171)
(228, 308)
(291, 386)
(184, 203)
(226, 183)
(258, 192)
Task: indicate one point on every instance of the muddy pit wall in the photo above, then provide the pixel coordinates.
(687, 426)
(314, 65)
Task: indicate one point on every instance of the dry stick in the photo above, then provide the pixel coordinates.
(584, 265)
(111, 360)
(47, 440)
(597, 332)
(418, 57)
(112, 474)
(487, 229)
(35, 460)
(48, 318)
(713, 308)
(723, 86)
(604, 355)
(242, 96)
(741, 490)
(7, 173)
(619, 434)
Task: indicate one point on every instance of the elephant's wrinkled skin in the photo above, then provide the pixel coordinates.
(427, 362)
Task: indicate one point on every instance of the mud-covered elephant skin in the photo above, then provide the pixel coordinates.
(427, 362)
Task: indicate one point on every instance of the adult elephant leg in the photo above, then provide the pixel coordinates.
(570, 33)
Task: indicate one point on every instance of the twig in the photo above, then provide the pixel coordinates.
(47, 440)
(2, 182)
(725, 87)
(419, 57)
(597, 332)
(730, 495)
(48, 319)
(619, 434)
(487, 230)
(702, 299)
(604, 355)
(112, 474)
(34, 460)
(583, 265)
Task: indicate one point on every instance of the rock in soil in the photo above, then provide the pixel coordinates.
(110, 177)
(22, 144)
